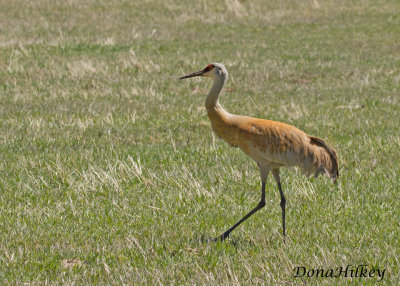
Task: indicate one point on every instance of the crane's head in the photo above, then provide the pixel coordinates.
(212, 70)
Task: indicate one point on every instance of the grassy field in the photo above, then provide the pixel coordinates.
(110, 173)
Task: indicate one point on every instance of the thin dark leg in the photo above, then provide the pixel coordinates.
(260, 205)
(283, 203)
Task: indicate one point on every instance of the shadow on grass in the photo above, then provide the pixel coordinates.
(231, 240)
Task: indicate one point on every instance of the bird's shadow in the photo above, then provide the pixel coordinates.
(205, 239)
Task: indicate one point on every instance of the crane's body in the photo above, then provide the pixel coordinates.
(271, 144)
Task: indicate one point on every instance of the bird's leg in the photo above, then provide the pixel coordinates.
(275, 172)
(283, 204)
(260, 205)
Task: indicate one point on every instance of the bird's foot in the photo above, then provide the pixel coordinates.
(222, 237)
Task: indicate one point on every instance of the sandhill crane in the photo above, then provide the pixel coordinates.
(271, 144)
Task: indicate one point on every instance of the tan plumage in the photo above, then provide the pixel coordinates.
(271, 144)
(274, 143)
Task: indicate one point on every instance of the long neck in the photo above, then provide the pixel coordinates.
(213, 95)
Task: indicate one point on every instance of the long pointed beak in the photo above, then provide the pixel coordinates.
(199, 73)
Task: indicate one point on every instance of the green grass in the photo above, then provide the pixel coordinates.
(109, 170)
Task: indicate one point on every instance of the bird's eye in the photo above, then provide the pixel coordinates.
(209, 67)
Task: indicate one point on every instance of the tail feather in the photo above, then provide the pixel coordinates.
(324, 160)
